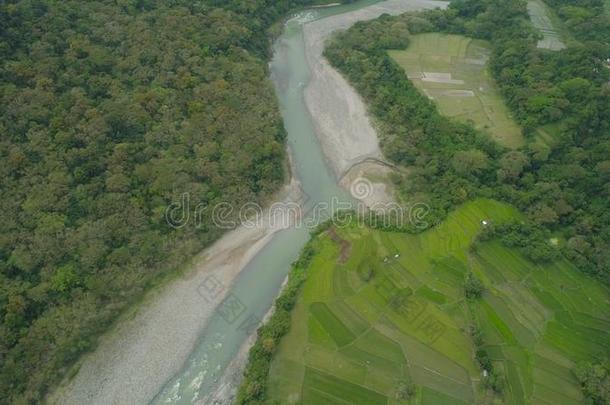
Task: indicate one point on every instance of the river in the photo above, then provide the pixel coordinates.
(348, 137)
(227, 331)
(186, 341)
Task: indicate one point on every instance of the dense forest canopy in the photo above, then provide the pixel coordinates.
(109, 111)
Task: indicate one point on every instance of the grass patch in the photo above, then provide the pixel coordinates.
(452, 71)
(339, 390)
(410, 322)
(432, 397)
(331, 324)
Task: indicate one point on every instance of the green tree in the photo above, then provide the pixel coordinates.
(470, 162)
(473, 287)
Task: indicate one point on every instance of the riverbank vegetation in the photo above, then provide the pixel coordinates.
(110, 111)
(254, 386)
(452, 71)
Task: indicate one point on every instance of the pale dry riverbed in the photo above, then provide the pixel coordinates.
(134, 360)
(339, 113)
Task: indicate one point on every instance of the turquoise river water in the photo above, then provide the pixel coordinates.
(255, 289)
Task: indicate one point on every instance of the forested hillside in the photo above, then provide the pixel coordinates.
(110, 111)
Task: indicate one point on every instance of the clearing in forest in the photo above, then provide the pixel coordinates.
(452, 71)
(394, 315)
(545, 20)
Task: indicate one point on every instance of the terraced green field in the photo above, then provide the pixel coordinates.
(452, 71)
(394, 312)
(547, 22)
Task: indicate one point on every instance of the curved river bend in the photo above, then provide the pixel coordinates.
(223, 338)
(254, 290)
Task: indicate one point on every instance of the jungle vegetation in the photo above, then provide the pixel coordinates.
(109, 112)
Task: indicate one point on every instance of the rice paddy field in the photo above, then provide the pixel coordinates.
(452, 71)
(382, 309)
(545, 20)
